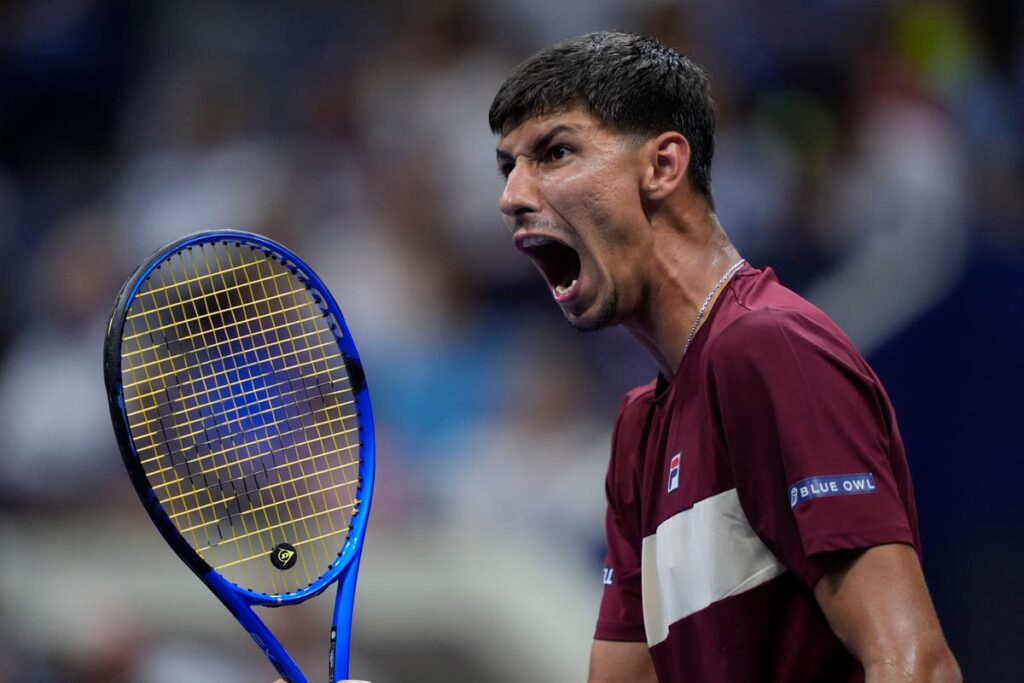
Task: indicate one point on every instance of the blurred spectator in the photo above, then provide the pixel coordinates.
(58, 442)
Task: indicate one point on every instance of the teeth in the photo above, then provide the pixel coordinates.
(564, 289)
(536, 241)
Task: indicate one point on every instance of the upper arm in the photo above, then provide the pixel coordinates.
(621, 662)
(877, 604)
(811, 441)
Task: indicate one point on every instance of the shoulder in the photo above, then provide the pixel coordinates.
(635, 403)
(629, 428)
(759, 325)
(790, 357)
(788, 329)
(632, 417)
(759, 304)
(773, 339)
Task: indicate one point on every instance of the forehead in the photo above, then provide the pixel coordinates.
(574, 120)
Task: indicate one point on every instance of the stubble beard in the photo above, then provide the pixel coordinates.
(604, 316)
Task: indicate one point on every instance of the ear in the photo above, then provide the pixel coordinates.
(668, 158)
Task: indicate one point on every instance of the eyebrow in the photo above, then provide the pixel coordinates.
(539, 144)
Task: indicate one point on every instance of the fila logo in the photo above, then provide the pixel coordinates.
(673, 472)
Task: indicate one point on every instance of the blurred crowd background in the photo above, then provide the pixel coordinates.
(871, 151)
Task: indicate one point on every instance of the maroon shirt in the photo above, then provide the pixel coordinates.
(733, 488)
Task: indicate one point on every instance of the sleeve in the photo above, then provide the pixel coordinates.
(809, 436)
(621, 613)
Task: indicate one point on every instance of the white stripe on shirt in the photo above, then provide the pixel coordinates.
(698, 557)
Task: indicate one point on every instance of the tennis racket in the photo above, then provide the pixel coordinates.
(243, 417)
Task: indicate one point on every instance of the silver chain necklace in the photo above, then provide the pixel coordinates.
(704, 306)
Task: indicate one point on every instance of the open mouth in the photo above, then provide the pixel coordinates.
(559, 262)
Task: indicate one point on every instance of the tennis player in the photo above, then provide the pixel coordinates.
(761, 522)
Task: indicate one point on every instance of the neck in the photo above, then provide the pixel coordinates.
(686, 264)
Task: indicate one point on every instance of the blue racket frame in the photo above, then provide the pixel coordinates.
(239, 600)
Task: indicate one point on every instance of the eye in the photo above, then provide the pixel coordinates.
(558, 152)
(505, 170)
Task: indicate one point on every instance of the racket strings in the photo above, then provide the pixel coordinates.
(232, 506)
(241, 409)
(343, 455)
(214, 455)
(233, 509)
(270, 526)
(168, 341)
(294, 482)
(198, 295)
(223, 500)
(223, 414)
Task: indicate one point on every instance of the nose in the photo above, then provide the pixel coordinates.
(519, 196)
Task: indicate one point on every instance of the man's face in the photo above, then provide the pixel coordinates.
(572, 200)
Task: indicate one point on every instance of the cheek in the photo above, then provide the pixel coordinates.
(598, 199)
(610, 208)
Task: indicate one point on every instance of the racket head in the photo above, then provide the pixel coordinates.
(194, 346)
